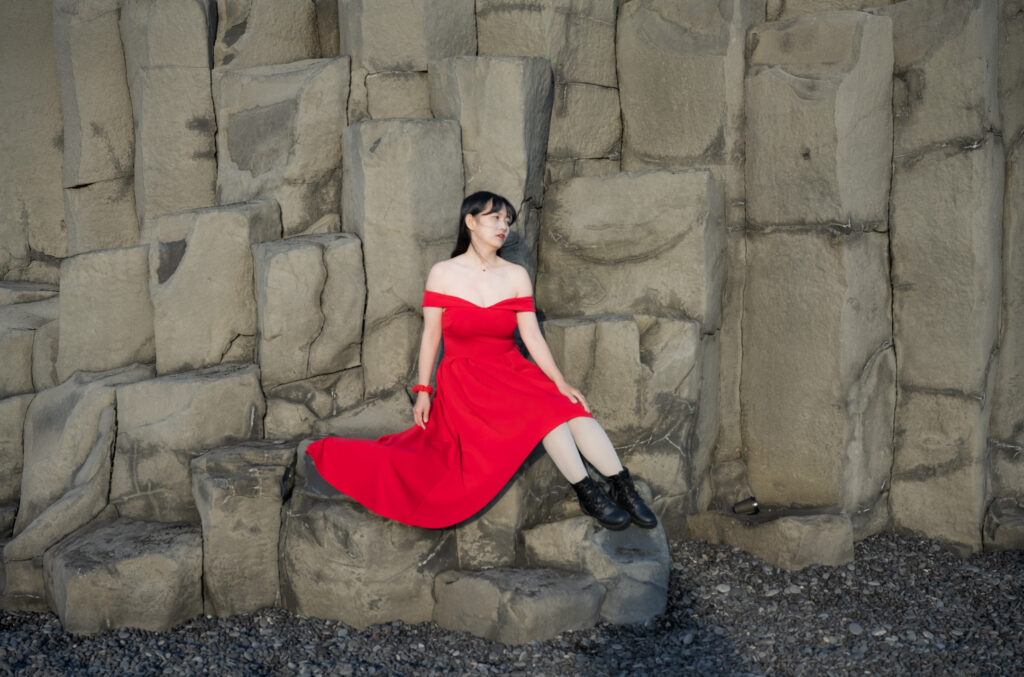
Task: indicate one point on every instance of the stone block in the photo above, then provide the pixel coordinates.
(730, 441)
(939, 475)
(22, 586)
(405, 35)
(489, 538)
(402, 187)
(504, 107)
(30, 174)
(106, 319)
(1004, 525)
(19, 325)
(310, 294)
(327, 27)
(126, 573)
(632, 565)
(379, 570)
(515, 606)
(398, 94)
(1006, 470)
(44, 356)
(946, 206)
(167, 60)
(789, 541)
(294, 409)
(25, 292)
(201, 284)
(639, 242)
(8, 512)
(265, 32)
(99, 139)
(101, 215)
(819, 121)
(163, 423)
(946, 73)
(68, 435)
(778, 10)
(279, 135)
(380, 414)
(818, 385)
(12, 423)
(239, 492)
(585, 121)
(576, 36)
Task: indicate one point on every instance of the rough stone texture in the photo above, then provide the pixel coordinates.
(310, 294)
(12, 422)
(18, 326)
(379, 570)
(585, 121)
(23, 588)
(163, 423)
(101, 215)
(44, 356)
(25, 292)
(31, 146)
(515, 606)
(398, 94)
(730, 442)
(126, 573)
(1004, 525)
(264, 32)
(202, 284)
(402, 186)
(632, 565)
(490, 538)
(405, 35)
(327, 27)
(818, 386)
(167, 60)
(99, 140)
(106, 319)
(819, 121)
(279, 135)
(789, 541)
(639, 242)
(377, 415)
(504, 107)
(238, 492)
(68, 436)
(787, 9)
(297, 409)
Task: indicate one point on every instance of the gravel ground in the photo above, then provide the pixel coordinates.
(905, 606)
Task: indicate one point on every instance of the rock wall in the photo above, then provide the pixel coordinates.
(776, 242)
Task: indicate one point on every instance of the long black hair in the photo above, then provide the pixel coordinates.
(475, 205)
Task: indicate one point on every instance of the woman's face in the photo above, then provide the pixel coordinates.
(491, 227)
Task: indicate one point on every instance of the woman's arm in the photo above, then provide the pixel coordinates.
(428, 354)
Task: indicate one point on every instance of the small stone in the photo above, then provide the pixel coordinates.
(723, 588)
(793, 590)
(855, 628)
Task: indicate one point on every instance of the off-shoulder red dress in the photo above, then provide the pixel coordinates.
(491, 407)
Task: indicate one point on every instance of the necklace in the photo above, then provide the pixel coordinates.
(483, 264)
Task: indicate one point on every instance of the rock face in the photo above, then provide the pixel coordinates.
(126, 573)
(19, 325)
(264, 32)
(12, 422)
(279, 136)
(201, 284)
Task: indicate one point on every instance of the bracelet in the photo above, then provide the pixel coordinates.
(423, 389)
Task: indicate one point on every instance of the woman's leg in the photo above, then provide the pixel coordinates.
(595, 446)
(562, 450)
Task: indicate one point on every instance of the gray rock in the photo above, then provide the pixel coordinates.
(101, 215)
(1004, 525)
(239, 492)
(380, 414)
(515, 606)
(12, 423)
(778, 10)
(402, 189)
(263, 32)
(21, 585)
(44, 356)
(398, 94)
(585, 122)
(25, 292)
(18, 326)
(295, 409)
(791, 541)
(340, 561)
(632, 565)
(279, 136)
(126, 573)
(201, 284)
(163, 423)
(106, 319)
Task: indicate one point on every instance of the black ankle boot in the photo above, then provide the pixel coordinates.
(623, 493)
(595, 503)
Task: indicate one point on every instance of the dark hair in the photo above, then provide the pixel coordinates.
(475, 205)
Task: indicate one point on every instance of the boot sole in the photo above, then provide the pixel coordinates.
(606, 525)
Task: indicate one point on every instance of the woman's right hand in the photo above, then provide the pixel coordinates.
(421, 410)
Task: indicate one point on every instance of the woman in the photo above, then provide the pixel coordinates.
(492, 405)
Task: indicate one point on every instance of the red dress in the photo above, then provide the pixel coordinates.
(491, 407)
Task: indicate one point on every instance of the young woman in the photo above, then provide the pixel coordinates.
(491, 406)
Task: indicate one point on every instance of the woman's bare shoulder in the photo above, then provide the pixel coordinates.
(521, 278)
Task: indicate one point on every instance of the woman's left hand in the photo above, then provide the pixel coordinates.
(574, 395)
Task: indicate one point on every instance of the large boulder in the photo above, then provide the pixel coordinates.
(106, 319)
(19, 325)
(402, 190)
(126, 573)
(310, 293)
(201, 284)
(238, 492)
(279, 136)
(632, 565)
(340, 561)
(515, 606)
(264, 32)
(163, 423)
(167, 61)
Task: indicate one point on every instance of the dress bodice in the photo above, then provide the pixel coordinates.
(476, 331)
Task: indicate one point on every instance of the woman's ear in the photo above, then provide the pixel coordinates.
(470, 222)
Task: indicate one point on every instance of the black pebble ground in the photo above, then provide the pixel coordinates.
(904, 607)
